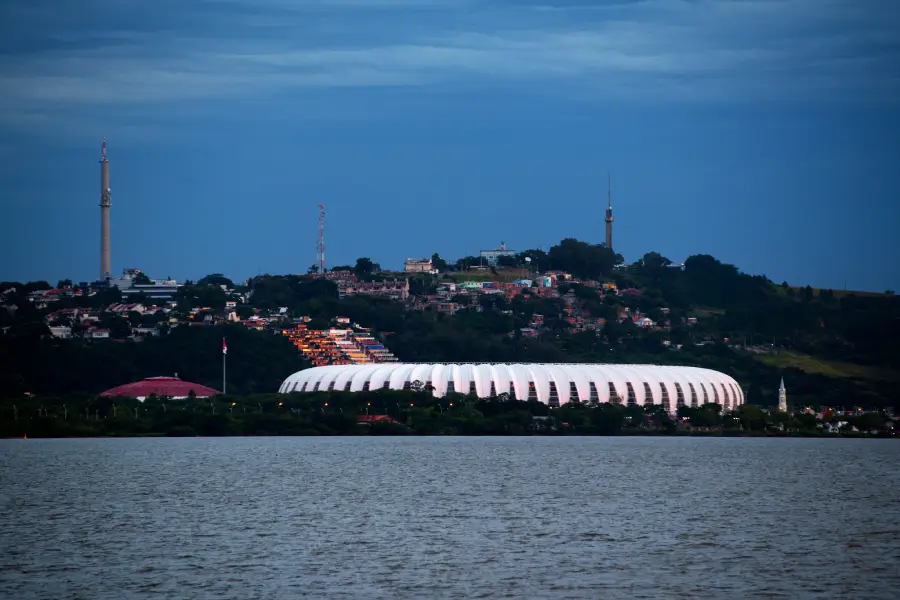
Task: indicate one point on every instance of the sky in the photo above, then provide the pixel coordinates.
(762, 132)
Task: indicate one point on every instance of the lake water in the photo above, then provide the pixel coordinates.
(362, 518)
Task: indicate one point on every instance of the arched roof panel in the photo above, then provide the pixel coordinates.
(397, 375)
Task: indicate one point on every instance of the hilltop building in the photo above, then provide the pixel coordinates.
(419, 265)
(491, 256)
(157, 289)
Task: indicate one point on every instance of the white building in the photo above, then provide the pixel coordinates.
(491, 256)
(419, 265)
(553, 384)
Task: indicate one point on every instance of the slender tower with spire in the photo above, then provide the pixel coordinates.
(105, 203)
(782, 397)
(609, 215)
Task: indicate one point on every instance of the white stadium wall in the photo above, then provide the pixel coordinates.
(553, 384)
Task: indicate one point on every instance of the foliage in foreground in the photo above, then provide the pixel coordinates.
(336, 413)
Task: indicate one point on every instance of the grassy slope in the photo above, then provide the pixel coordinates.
(503, 275)
(830, 368)
(837, 293)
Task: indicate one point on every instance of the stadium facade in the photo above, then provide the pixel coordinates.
(553, 384)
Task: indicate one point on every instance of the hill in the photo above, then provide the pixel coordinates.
(831, 348)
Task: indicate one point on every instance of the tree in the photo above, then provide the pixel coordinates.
(217, 279)
(585, 261)
(467, 262)
(364, 267)
(540, 260)
(119, 327)
(33, 286)
(201, 296)
(142, 279)
(507, 262)
(653, 264)
(438, 263)
(313, 269)
(64, 283)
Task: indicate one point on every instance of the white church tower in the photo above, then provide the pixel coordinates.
(782, 397)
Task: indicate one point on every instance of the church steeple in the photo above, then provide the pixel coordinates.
(782, 397)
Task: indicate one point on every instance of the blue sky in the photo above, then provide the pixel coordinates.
(763, 132)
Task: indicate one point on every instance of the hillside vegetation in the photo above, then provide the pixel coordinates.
(832, 349)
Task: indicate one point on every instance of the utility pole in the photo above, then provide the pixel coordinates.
(224, 355)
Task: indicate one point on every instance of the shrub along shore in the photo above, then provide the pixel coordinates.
(399, 413)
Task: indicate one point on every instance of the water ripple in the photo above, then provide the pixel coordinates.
(395, 518)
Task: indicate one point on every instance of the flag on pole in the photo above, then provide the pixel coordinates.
(224, 347)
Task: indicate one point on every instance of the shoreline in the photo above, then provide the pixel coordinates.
(471, 435)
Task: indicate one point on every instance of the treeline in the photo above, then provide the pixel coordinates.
(337, 413)
(257, 361)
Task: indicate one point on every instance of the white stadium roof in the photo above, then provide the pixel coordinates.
(553, 384)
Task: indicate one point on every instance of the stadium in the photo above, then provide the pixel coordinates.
(553, 384)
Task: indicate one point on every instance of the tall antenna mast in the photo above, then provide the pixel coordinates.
(105, 203)
(609, 213)
(608, 189)
(320, 245)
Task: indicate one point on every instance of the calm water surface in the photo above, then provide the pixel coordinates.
(449, 518)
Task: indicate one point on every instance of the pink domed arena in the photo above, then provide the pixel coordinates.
(171, 387)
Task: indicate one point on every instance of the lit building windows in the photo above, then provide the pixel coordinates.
(632, 398)
(613, 394)
(554, 395)
(679, 401)
(648, 395)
